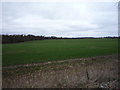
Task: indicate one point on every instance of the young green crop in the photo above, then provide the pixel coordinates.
(49, 50)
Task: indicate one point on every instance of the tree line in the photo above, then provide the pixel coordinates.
(19, 38)
(24, 38)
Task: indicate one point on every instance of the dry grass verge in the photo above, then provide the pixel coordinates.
(93, 72)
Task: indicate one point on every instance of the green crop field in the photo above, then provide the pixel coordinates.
(49, 50)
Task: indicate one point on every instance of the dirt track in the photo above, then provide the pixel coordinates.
(94, 72)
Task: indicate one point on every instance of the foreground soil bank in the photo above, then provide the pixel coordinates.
(93, 72)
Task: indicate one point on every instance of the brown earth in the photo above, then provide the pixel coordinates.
(93, 72)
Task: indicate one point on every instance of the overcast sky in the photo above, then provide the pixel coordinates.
(67, 19)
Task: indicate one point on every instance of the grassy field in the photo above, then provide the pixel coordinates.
(49, 50)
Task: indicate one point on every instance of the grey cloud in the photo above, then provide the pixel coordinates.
(60, 19)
